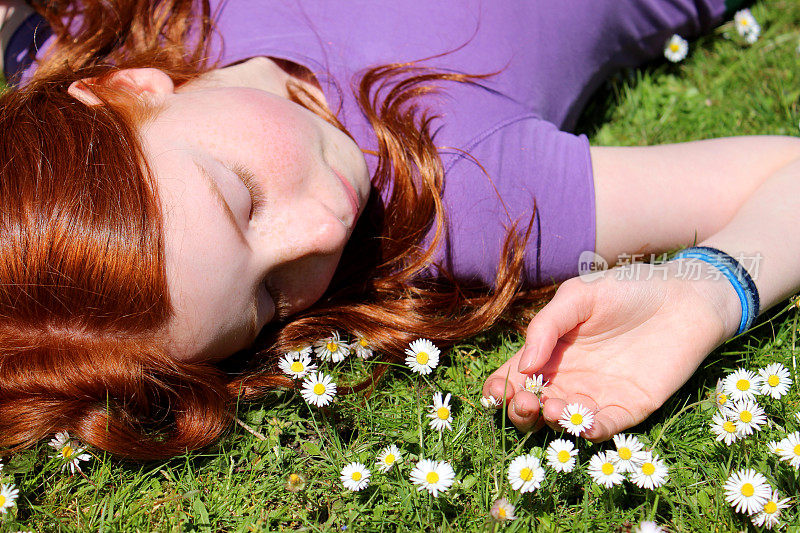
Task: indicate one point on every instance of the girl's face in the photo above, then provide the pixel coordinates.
(259, 197)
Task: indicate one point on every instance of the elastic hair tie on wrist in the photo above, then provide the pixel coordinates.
(736, 274)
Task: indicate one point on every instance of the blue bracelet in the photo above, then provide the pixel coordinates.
(736, 274)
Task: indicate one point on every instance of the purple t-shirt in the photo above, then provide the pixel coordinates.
(554, 55)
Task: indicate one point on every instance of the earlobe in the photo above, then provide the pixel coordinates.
(140, 82)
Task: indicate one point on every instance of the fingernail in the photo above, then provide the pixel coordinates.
(520, 410)
(528, 358)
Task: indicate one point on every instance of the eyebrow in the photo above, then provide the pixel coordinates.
(212, 185)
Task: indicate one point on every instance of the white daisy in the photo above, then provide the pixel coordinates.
(561, 455)
(388, 458)
(440, 413)
(753, 35)
(776, 446)
(629, 454)
(525, 473)
(300, 351)
(502, 510)
(318, 389)
(491, 403)
(791, 449)
(648, 527)
(536, 384)
(747, 491)
(362, 348)
(676, 48)
(433, 476)
(776, 380)
(296, 366)
(748, 416)
(70, 451)
(8, 495)
(768, 517)
(742, 384)
(422, 356)
(746, 25)
(355, 476)
(651, 473)
(576, 418)
(603, 470)
(720, 395)
(724, 428)
(332, 348)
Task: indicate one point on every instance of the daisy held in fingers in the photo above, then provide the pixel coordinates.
(490, 403)
(433, 476)
(296, 366)
(575, 418)
(747, 491)
(775, 380)
(561, 455)
(769, 516)
(536, 384)
(422, 356)
(651, 473)
(355, 476)
(440, 413)
(388, 457)
(8, 496)
(70, 451)
(603, 470)
(525, 473)
(318, 389)
(332, 348)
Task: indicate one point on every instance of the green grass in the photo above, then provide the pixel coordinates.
(723, 88)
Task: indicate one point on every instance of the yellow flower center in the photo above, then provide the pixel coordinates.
(770, 508)
(624, 453)
(773, 380)
(501, 512)
(743, 384)
(563, 456)
(2, 501)
(729, 426)
(363, 343)
(721, 398)
(648, 469)
(422, 358)
(356, 476)
(66, 451)
(432, 477)
(443, 413)
(744, 22)
(389, 459)
(297, 366)
(748, 489)
(674, 47)
(797, 449)
(608, 469)
(332, 347)
(294, 478)
(576, 419)
(526, 474)
(746, 416)
(319, 389)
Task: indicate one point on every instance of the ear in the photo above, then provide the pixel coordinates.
(143, 82)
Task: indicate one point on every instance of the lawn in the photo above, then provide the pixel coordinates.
(724, 87)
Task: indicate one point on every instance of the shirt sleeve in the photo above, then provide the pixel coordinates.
(527, 161)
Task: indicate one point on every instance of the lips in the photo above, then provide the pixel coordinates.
(351, 194)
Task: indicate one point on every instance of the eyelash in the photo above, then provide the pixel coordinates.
(256, 196)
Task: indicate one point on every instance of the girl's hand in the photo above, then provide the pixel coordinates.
(620, 345)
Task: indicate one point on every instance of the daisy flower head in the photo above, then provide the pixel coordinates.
(741, 384)
(388, 457)
(440, 413)
(720, 395)
(300, 351)
(8, 495)
(318, 389)
(502, 511)
(355, 476)
(676, 48)
(649, 527)
(629, 454)
(776, 446)
(525, 473)
(433, 476)
(70, 451)
(651, 473)
(362, 347)
(576, 418)
(747, 491)
(603, 470)
(775, 380)
(790, 449)
(536, 384)
(561, 455)
(769, 515)
(422, 356)
(746, 25)
(748, 416)
(295, 482)
(296, 364)
(332, 348)
(491, 403)
(724, 428)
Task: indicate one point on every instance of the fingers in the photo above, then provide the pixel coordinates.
(571, 305)
(504, 382)
(523, 411)
(609, 421)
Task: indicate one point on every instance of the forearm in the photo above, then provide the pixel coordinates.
(763, 233)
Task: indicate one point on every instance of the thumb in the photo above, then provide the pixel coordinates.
(571, 305)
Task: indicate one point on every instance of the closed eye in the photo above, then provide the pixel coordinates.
(257, 198)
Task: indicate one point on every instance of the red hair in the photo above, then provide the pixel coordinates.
(84, 291)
